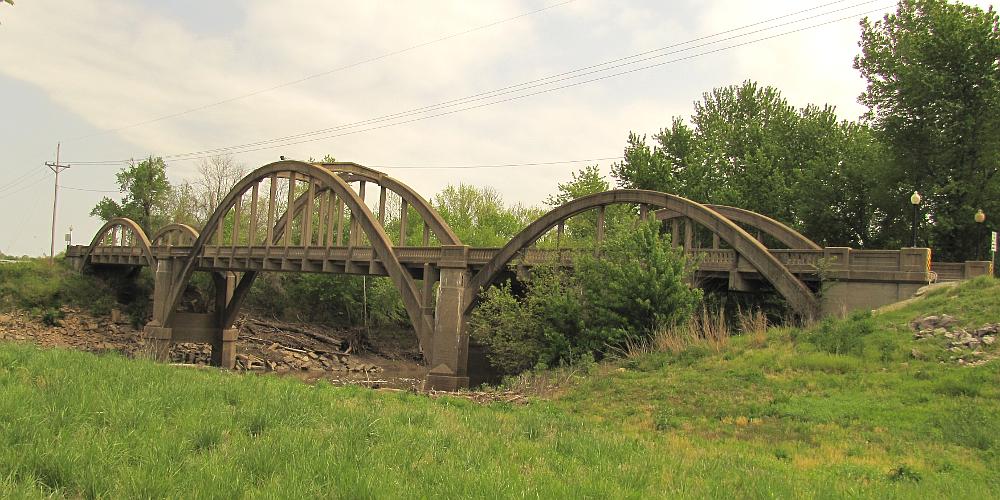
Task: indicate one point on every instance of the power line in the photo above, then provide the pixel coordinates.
(432, 167)
(523, 96)
(19, 180)
(499, 165)
(91, 190)
(322, 73)
(25, 187)
(513, 89)
(540, 82)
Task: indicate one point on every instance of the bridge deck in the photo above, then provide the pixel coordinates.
(841, 264)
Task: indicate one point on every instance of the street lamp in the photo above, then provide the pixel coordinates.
(915, 200)
(980, 219)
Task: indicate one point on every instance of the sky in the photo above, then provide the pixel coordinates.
(103, 79)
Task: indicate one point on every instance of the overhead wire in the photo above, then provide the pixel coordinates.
(499, 165)
(322, 73)
(433, 167)
(25, 187)
(19, 180)
(90, 190)
(513, 89)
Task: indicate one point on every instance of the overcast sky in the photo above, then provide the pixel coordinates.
(84, 72)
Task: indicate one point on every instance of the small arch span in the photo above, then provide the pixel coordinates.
(175, 235)
(120, 232)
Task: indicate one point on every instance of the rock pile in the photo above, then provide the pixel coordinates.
(285, 359)
(960, 340)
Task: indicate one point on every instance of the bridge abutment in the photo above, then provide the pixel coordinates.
(449, 357)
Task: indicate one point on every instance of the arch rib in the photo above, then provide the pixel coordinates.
(328, 179)
(791, 288)
(779, 231)
(352, 171)
(126, 223)
(183, 229)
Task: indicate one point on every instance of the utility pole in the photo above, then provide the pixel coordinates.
(56, 168)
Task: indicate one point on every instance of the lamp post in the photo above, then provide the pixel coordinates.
(915, 200)
(980, 219)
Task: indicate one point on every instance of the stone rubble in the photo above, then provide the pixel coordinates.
(965, 343)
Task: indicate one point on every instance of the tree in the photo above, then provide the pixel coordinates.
(183, 205)
(217, 176)
(638, 284)
(582, 229)
(934, 96)
(748, 147)
(479, 216)
(146, 191)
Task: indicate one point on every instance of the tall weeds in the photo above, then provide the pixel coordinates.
(707, 328)
(754, 325)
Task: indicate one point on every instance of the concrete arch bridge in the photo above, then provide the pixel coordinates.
(292, 216)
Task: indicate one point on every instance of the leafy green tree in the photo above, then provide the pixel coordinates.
(839, 198)
(479, 216)
(748, 147)
(183, 205)
(146, 191)
(581, 230)
(934, 96)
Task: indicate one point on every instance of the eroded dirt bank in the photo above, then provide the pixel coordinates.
(309, 352)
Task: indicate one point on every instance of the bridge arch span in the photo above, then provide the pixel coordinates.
(175, 234)
(116, 232)
(794, 291)
(318, 178)
(779, 231)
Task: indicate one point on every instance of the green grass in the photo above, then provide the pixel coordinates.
(803, 416)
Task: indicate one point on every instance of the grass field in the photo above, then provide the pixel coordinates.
(781, 416)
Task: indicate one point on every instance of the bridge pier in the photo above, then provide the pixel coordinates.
(449, 356)
(210, 328)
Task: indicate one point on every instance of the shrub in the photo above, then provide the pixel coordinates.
(637, 287)
(636, 284)
(842, 337)
(543, 327)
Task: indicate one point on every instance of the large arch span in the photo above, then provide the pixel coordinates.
(325, 179)
(791, 288)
